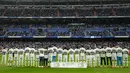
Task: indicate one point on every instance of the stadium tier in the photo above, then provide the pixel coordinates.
(53, 12)
(65, 30)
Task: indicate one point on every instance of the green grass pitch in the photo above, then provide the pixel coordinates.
(62, 70)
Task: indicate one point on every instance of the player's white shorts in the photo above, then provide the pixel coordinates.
(71, 57)
(114, 57)
(10, 57)
(97, 57)
(59, 57)
(125, 57)
(27, 57)
(50, 56)
(65, 58)
(21, 57)
(15, 57)
(37, 57)
(77, 57)
(93, 58)
(82, 56)
(87, 58)
(32, 57)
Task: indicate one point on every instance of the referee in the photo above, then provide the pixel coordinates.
(103, 55)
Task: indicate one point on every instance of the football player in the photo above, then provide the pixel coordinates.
(16, 59)
(10, 57)
(41, 57)
(50, 51)
(119, 56)
(97, 50)
(4, 56)
(32, 56)
(37, 58)
(77, 51)
(109, 55)
(92, 58)
(71, 55)
(65, 55)
(21, 57)
(60, 52)
(88, 57)
(125, 57)
(54, 53)
(46, 58)
(114, 57)
(102, 56)
(27, 56)
(82, 54)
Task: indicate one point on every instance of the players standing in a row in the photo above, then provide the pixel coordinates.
(93, 57)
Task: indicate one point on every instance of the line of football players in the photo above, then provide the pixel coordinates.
(109, 56)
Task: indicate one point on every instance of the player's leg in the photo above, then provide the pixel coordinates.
(104, 61)
(90, 61)
(99, 61)
(117, 61)
(66, 58)
(111, 61)
(69, 58)
(77, 58)
(5, 59)
(120, 61)
(107, 61)
(127, 61)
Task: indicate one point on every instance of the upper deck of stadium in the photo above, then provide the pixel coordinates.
(61, 2)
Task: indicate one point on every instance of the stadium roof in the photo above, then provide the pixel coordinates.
(62, 2)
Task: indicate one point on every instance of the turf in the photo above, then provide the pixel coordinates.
(62, 70)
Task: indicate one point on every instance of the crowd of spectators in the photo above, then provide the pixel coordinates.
(65, 12)
(65, 30)
(63, 44)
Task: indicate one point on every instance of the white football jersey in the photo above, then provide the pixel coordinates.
(16, 50)
(93, 52)
(103, 52)
(50, 50)
(88, 52)
(82, 50)
(119, 52)
(71, 51)
(60, 51)
(32, 50)
(65, 52)
(41, 51)
(125, 51)
(108, 52)
(97, 50)
(27, 50)
(4, 52)
(10, 51)
(55, 50)
(21, 51)
(77, 51)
